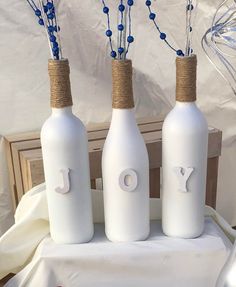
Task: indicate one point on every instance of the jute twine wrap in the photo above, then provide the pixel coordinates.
(122, 88)
(59, 73)
(186, 70)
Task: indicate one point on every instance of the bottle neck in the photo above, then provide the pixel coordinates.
(186, 70)
(62, 111)
(185, 104)
(123, 115)
(122, 88)
(59, 72)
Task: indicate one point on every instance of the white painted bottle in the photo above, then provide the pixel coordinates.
(125, 165)
(66, 163)
(184, 158)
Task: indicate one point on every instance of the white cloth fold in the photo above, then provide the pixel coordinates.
(159, 261)
(19, 243)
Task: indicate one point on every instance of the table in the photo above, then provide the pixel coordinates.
(160, 261)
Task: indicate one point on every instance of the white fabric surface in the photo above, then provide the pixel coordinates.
(19, 243)
(24, 86)
(160, 261)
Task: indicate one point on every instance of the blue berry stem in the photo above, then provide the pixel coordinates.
(189, 8)
(121, 31)
(130, 29)
(123, 21)
(163, 37)
(152, 17)
(106, 11)
(46, 14)
(46, 29)
(58, 30)
(32, 5)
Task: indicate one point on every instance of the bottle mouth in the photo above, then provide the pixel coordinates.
(62, 60)
(186, 57)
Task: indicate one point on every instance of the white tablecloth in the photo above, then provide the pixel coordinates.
(160, 261)
(26, 248)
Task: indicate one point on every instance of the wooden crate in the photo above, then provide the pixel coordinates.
(26, 165)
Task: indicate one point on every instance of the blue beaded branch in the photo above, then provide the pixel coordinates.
(163, 36)
(46, 15)
(125, 19)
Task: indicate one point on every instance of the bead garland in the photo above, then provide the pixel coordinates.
(163, 36)
(46, 13)
(124, 13)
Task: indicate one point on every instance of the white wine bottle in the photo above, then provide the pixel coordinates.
(66, 163)
(184, 157)
(125, 165)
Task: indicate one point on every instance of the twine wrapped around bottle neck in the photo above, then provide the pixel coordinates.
(122, 87)
(186, 75)
(59, 73)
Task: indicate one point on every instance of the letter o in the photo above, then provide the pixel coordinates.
(128, 180)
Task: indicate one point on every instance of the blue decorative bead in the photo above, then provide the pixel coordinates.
(55, 50)
(37, 12)
(163, 36)
(130, 39)
(51, 28)
(190, 50)
(51, 16)
(179, 53)
(49, 5)
(105, 10)
(55, 44)
(109, 33)
(190, 7)
(152, 16)
(120, 50)
(148, 3)
(120, 27)
(45, 8)
(41, 22)
(53, 38)
(130, 2)
(113, 54)
(121, 8)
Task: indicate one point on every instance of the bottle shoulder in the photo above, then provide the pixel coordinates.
(122, 143)
(124, 133)
(66, 125)
(185, 117)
